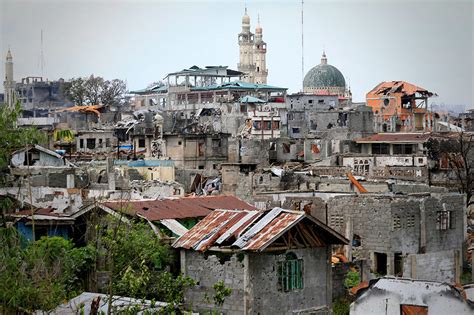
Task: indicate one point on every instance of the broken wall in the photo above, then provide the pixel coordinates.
(443, 266)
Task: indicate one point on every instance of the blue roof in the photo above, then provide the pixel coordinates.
(238, 85)
(251, 99)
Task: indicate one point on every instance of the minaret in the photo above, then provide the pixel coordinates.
(246, 39)
(9, 83)
(259, 56)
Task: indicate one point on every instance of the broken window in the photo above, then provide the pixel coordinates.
(31, 158)
(295, 130)
(444, 220)
(290, 273)
(315, 149)
(90, 143)
(361, 166)
(200, 149)
(286, 148)
(216, 143)
(380, 148)
(402, 149)
(100, 143)
(380, 263)
(107, 142)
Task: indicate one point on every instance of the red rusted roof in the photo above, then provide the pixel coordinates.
(38, 211)
(387, 88)
(191, 207)
(395, 137)
(249, 230)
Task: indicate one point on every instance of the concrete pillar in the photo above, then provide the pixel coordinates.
(70, 181)
(349, 234)
(413, 266)
(390, 264)
(247, 286)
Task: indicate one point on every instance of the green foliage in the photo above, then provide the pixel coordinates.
(95, 91)
(13, 138)
(352, 279)
(221, 292)
(341, 306)
(63, 135)
(40, 275)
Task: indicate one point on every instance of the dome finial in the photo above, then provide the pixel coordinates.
(324, 59)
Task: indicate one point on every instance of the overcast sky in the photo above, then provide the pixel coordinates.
(428, 43)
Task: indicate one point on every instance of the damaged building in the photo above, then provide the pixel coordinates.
(274, 261)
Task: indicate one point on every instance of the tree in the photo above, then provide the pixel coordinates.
(13, 138)
(40, 275)
(457, 151)
(95, 91)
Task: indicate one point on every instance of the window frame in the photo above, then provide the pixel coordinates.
(290, 273)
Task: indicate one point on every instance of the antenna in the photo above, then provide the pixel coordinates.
(42, 55)
(302, 47)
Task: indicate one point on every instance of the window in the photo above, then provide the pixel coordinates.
(107, 142)
(290, 273)
(310, 101)
(380, 148)
(286, 148)
(406, 309)
(141, 143)
(100, 143)
(402, 149)
(90, 143)
(216, 143)
(179, 142)
(410, 221)
(295, 130)
(81, 143)
(444, 220)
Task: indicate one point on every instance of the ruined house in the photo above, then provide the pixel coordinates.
(400, 106)
(274, 261)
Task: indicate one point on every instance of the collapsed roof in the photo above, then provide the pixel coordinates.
(408, 89)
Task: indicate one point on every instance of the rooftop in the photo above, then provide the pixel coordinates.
(395, 138)
(182, 208)
(408, 89)
(256, 230)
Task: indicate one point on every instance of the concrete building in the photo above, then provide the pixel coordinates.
(393, 296)
(275, 261)
(252, 51)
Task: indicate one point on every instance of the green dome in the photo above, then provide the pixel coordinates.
(324, 76)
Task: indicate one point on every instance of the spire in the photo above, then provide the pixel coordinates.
(258, 29)
(9, 55)
(245, 22)
(324, 59)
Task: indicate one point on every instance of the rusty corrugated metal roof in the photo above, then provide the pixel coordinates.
(387, 88)
(182, 208)
(251, 230)
(395, 137)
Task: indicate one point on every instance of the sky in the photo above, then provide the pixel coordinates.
(427, 43)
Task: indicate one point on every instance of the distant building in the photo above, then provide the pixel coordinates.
(253, 52)
(36, 95)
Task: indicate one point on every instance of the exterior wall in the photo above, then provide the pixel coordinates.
(398, 224)
(207, 271)
(388, 296)
(19, 158)
(441, 266)
(263, 279)
(104, 141)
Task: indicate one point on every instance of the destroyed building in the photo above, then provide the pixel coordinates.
(274, 261)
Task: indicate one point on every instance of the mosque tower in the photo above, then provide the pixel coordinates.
(259, 56)
(246, 42)
(9, 83)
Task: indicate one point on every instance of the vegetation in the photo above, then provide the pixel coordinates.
(41, 274)
(13, 138)
(341, 306)
(352, 279)
(95, 91)
(458, 153)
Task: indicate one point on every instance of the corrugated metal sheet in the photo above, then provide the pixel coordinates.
(253, 230)
(395, 137)
(156, 210)
(174, 226)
